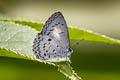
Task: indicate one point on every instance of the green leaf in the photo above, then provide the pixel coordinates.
(67, 70)
(17, 36)
(8, 53)
(17, 41)
(74, 33)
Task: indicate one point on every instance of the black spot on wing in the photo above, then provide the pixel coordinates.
(51, 29)
(56, 24)
(50, 20)
(52, 26)
(43, 46)
(61, 32)
(44, 54)
(48, 33)
(40, 33)
(53, 50)
(46, 50)
(37, 56)
(49, 56)
(49, 39)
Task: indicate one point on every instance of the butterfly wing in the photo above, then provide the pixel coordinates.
(56, 27)
(53, 41)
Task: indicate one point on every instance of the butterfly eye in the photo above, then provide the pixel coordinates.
(70, 49)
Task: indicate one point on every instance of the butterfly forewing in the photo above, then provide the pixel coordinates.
(53, 40)
(56, 27)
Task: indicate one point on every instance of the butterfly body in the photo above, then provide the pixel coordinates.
(53, 41)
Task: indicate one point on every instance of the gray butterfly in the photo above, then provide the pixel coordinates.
(52, 43)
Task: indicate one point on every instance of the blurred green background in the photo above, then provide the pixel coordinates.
(92, 61)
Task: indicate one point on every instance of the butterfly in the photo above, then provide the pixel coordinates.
(52, 43)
